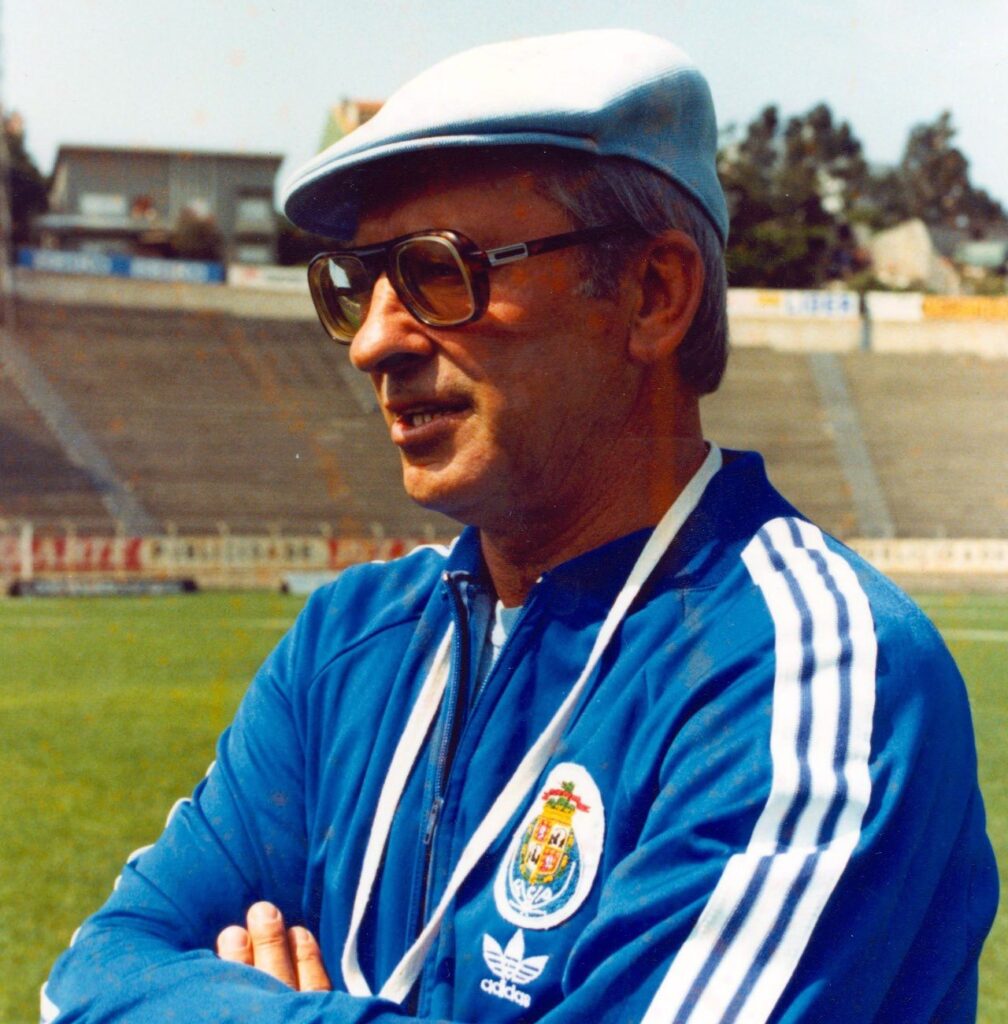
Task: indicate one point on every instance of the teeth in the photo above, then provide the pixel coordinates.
(423, 415)
(418, 419)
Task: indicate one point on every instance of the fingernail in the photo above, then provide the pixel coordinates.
(302, 937)
(263, 913)
(234, 939)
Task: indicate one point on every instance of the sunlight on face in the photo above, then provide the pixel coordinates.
(505, 418)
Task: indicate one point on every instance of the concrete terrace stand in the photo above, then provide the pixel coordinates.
(224, 411)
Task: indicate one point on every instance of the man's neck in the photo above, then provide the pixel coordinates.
(517, 556)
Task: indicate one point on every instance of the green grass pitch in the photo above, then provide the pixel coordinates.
(109, 709)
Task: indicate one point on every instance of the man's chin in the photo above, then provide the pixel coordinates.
(442, 491)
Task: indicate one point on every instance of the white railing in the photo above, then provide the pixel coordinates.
(986, 557)
(221, 560)
(265, 560)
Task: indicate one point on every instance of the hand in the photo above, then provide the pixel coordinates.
(290, 955)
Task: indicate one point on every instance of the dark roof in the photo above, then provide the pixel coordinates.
(57, 221)
(69, 149)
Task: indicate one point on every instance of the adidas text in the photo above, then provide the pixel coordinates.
(505, 990)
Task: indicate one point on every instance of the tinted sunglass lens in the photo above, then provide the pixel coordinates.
(342, 292)
(432, 274)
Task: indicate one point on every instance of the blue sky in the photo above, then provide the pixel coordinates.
(259, 76)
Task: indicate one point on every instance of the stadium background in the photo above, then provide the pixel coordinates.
(157, 430)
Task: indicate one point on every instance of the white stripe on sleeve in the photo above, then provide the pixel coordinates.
(745, 946)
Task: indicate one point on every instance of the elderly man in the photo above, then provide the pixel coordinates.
(643, 744)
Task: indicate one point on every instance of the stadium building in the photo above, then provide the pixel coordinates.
(111, 199)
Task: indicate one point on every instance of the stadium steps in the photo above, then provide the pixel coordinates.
(214, 419)
(937, 428)
(308, 381)
(844, 426)
(37, 480)
(77, 443)
(218, 420)
(769, 402)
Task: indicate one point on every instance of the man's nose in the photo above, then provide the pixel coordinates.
(390, 337)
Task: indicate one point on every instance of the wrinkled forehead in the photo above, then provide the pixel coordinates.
(456, 184)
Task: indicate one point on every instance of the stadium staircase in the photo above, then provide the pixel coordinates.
(210, 419)
(214, 420)
(937, 430)
(37, 479)
(769, 402)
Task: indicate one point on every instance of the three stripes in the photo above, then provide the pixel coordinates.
(754, 928)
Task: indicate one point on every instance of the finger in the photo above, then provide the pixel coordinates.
(311, 972)
(270, 952)
(233, 945)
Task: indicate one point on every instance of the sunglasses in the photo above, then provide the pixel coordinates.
(440, 276)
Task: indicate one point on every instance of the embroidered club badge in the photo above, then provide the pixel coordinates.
(552, 859)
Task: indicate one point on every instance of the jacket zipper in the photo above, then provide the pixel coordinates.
(445, 745)
(448, 741)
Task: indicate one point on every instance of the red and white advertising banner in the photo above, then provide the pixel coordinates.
(69, 554)
(72, 553)
(347, 551)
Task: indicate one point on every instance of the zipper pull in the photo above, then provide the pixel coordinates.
(432, 819)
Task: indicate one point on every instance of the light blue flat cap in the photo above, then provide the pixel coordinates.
(610, 92)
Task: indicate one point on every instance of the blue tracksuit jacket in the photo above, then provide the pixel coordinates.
(763, 805)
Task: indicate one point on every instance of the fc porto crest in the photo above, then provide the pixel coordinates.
(552, 859)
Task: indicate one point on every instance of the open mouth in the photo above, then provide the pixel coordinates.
(421, 417)
(417, 422)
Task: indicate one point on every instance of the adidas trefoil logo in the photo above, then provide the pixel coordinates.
(511, 967)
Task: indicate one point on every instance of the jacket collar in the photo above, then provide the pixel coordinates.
(732, 509)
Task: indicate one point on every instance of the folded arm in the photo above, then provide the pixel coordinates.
(712, 904)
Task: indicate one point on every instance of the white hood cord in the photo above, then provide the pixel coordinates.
(515, 792)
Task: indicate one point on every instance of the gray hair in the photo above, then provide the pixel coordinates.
(616, 190)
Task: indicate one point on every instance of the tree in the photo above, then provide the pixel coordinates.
(932, 182)
(823, 162)
(790, 189)
(26, 187)
(934, 173)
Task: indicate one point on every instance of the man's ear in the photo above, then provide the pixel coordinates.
(669, 282)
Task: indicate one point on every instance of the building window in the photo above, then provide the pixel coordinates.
(103, 204)
(255, 211)
(200, 207)
(105, 246)
(253, 254)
